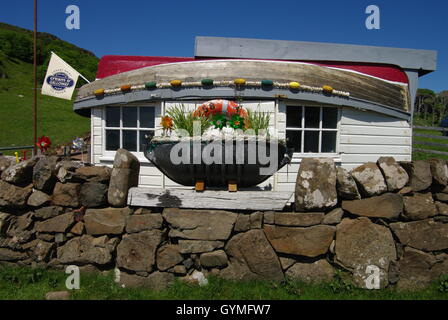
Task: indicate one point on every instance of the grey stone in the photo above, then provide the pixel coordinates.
(309, 242)
(58, 224)
(38, 199)
(197, 224)
(10, 255)
(48, 212)
(43, 250)
(441, 197)
(346, 185)
(251, 252)
(6, 162)
(93, 194)
(20, 174)
(269, 217)
(319, 271)
(66, 195)
(361, 243)
(242, 223)
(215, 259)
(396, 177)
(316, 185)
(419, 206)
(301, 219)
(99, 174)
(369, 179)
(426, 235)
(199, 246)
(5, 220)
(57, 295)
(124, 176)
(420, 177)
(137, 251)
(13, 197)
(442, 208)
(333, 217)
(44, 175)
(286, 262)
(142, 222)
(439, 171)
(87, 250)
(415, 269)
(168, 256)
(389, 206)
(256, 220)
(106, 221)
(179, 269)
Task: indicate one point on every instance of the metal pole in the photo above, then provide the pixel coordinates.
(35, 79)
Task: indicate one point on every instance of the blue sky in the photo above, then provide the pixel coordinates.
(168, 28)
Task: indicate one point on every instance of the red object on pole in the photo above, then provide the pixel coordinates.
(35, 79)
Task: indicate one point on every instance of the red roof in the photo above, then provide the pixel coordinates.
(111, 64)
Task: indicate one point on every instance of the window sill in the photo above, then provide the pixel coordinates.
(111, 158)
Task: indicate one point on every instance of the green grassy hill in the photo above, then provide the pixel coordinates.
(56, 118)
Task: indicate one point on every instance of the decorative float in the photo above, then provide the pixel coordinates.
(220, 144)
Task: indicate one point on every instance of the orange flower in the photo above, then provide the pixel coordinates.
(167, 123)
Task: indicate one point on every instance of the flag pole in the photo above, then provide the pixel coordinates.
(35, 79)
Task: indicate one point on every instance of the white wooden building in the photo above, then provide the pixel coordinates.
(370, 118)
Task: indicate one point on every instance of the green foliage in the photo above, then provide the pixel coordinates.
(443, 284)
(258, 120)
(184, 120)
(341, 283)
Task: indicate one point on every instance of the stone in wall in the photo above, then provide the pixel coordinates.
(6, 162)
(396, 177)
(439, 171)
(20, 174)
(99, 174)
(316, 272)
(66, 195)
(87, 249)
(123, 177)
(316, 185)
(44, 175)
(251, 257)
(136, 223)
(442, 208)
(419, 206)
(309, 242)
(10, 255)
(369, 179)
(346, 185)
(38, 199)
(48, 212)
(333, 217)
(137, 251)
(426, 235)
(415, 269)
(298, 219)
(420, 177)
(106, 221)
(168, 256)
(198, 224)
(155, 281)
(199, 246)
(58, 224)
(65, 170)
(389, 206)
(215, 259)
(361, 243)
(14, 197)
(93, 194)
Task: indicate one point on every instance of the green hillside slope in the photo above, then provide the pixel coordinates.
(55, 116)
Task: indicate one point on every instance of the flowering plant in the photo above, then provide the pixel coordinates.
(219, 121)
(43, 143)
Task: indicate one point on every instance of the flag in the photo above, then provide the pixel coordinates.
(60, 80)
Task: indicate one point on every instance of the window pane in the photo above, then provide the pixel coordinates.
(147, 117)
(329, 118)
(293, 117)
(329, 142)
(112, 140)
(144, 140)
(130, 117)
(312, 117)
(294, 140)
(311, 141)
(112, 116)
(130, 140)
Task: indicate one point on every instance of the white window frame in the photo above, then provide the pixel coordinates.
(320, 129)
(109, 154)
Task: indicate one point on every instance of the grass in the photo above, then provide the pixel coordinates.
(56, 118)
(417, 142)
(32, 284)
(185, 120)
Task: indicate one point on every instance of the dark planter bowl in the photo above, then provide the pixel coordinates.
(214, 175)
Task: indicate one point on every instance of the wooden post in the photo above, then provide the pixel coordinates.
(35, 80)
(233, 187)
(199, 186)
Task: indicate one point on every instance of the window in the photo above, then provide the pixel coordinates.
(311, 129)
(126, 127)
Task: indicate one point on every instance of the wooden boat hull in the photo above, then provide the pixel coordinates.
(246, 174)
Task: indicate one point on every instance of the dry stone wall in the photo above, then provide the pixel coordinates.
(392, 216)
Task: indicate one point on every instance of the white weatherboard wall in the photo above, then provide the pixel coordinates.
(363, 136)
